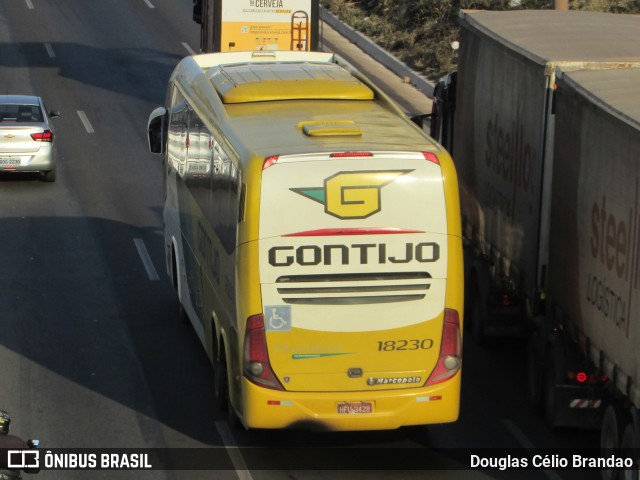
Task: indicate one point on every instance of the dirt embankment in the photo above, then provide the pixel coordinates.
(420, 32)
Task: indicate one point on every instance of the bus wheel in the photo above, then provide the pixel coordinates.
(221, 384)
(182, 314)
(609, 440)
(221, 392)
(232, 417)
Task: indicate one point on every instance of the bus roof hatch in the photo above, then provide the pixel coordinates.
(242, 83)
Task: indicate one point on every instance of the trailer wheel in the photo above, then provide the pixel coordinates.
(549, 397)
(477, 319)
(609, 440)
(534, 376)
(630, 443)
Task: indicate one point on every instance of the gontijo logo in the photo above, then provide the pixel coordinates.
(351, 195)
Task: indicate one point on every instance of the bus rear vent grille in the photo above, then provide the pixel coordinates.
(353, 289)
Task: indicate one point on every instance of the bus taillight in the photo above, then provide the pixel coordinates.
(432, 157)
(450, 358)
(257, 368)
(272, 160)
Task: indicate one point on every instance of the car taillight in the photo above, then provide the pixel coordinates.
(257, 368)
(450, 357)
(46, 136)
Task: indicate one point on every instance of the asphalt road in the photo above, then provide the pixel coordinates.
(92, 354)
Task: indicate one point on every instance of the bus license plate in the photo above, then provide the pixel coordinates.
(355, 407)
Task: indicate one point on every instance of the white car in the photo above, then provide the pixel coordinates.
(26, 137)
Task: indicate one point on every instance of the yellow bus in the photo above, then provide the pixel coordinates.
(313, 235)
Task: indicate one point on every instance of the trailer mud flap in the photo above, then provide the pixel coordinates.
(578, 407)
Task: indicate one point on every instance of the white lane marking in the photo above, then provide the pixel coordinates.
(146, 259)
(526, 443)
(50, 51)
(188, 48)
(29, 4)
(234, 452)
(85, 121)
(149, 4)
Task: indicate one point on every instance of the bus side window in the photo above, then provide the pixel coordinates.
(177, 130)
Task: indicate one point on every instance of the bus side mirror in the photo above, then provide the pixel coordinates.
(156, 129)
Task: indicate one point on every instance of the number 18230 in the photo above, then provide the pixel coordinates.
(414, 344)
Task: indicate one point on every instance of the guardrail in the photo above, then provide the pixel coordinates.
(377, 53)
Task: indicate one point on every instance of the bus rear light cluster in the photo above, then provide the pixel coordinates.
(257, 368)
(450, 358)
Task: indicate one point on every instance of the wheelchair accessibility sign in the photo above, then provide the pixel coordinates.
(278, 318)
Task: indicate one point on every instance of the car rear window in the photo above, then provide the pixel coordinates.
(20, 113)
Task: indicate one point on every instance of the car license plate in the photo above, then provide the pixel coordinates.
(9, 161)
(355, 407)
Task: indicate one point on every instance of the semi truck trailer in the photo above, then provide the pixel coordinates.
(584, 358)
(542, 119)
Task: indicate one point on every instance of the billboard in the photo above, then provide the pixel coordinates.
(241, 25)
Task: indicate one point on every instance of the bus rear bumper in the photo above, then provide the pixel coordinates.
(390, 409)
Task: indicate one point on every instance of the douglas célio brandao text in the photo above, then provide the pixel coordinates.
(555, 461)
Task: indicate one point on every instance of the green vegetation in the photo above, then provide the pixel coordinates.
(420, 32)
